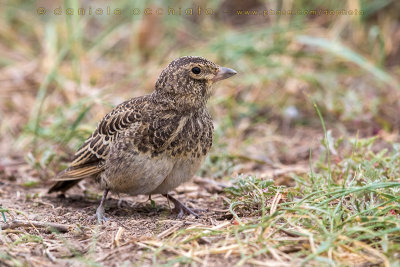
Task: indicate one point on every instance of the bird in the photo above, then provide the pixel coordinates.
(153, 143)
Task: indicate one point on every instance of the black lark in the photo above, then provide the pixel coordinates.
(151, 144)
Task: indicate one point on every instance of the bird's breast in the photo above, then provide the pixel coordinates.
(193, 139)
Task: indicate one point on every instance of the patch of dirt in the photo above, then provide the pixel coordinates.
(131, 221)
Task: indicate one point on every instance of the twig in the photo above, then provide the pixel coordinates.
(49, 255)
(170, 230)
(18, 223)
(210, 185)
(117, 237)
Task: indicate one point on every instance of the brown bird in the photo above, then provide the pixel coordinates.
(153, 143)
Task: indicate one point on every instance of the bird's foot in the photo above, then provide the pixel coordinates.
(180, 208)
(100, 214)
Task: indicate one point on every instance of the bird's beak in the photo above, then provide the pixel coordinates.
(224, 73)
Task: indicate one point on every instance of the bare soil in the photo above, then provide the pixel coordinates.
(132, 220)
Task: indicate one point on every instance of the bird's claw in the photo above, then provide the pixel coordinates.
(181, 208)
(99, 216)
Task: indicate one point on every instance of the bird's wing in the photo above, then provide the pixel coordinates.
(89, 159)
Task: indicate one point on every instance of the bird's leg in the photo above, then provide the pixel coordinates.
(180, 208)
(100, 210)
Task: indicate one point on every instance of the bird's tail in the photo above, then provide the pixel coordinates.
(63, 186)
(73, 175)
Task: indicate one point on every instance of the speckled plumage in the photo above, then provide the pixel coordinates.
(153, 143)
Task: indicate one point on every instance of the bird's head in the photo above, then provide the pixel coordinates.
(187, 81)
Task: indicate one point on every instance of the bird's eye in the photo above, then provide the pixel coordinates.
(196, 70)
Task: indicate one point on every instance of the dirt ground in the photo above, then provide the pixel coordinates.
(132, 221)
